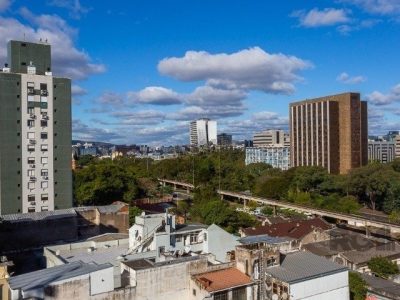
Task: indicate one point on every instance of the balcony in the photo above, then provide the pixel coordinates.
(44, 93)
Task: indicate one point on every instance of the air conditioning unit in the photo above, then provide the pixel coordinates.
(32, 203)
(32, 142)
(32, 116)
(45, 117)
(32, 166)
(32, 178)
(46, 177)
(31, 91)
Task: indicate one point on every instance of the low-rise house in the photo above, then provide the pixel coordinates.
(381, 289)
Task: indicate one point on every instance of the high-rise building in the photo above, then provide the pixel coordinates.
(330, 131)
(382, 151)
(35, 132)
(277, 156)
(224, 139)
(271, 137)
(203, 132)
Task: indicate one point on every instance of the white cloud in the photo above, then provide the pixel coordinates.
(380, 7)
(155, 95)
(378, 98)
(325, 17)
(209, 96)
(82, 131)
(76, 9)
(4, 4)
(78, 90)
(67, 60)
(110, 98)
(249, 69)
(347, 79)
(144, 117)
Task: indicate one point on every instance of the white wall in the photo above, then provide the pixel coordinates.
(102, 281)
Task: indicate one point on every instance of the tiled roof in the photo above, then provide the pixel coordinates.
(382, 286)
(42, 278)
(292, 229)
(390, 250)
(302, 266)
(37, 216)
(222, 279)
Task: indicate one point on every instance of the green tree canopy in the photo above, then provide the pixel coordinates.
(383, 267)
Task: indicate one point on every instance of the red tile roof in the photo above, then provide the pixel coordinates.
(293, 229)
(222, 279)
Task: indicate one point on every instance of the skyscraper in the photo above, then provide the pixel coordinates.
(203, 132)
(271, 137)
(35, 132)
(331, 132)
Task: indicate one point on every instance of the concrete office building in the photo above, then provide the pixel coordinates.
(382, 151)
(330, 131)
(277, 156)
(203, 132)
(224, 139)
(271, 137)
(35, 132)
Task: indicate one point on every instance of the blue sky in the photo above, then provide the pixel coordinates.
(142, 69)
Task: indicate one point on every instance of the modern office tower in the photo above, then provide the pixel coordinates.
(382, 151)
(203, 132)
(274, 155)
(330, 131)
(271, 137)
(224, 139)
(35, 132)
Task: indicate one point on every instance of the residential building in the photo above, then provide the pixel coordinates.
(203, 132)
(382, 151)
(381, 289)
(4, 276)
(330, 131)
(271, 137)
(275, 155)
(35, 132)
(397, 146)
(224, 139)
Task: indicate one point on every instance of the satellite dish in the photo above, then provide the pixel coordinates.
(284, 296)
(275, 297)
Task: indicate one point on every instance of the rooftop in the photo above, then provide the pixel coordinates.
(302, 266)
(45, 277)
(222, 279)
(362, 257)
(181, 228)
(382, 286)
(263, 238)
(106, 237)
(293, 229)
(38, 216)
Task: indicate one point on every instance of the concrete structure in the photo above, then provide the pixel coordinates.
(4, 276)
(271, 137)
(35, 132)
(381, 289)
(275, 155)
(224, 139)
(330, 131)
(203, 132)
(381, 151)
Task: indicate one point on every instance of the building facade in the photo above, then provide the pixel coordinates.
(276, 156)
(382, 151)
(203, 132)
(35, 132)
(224, 139)
(330, 131)
(271, 137)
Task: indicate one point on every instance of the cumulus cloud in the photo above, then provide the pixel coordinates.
(78, 90)
(381, 7)
(75, 8)
(347, 79)
(4, 4)
(324, 17)
(110, 98)
(249, 69)
(67, 59)
(82, 131)
(144, 117)
(379, 98)
(155, 95)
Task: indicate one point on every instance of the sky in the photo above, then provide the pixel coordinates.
(141, 70)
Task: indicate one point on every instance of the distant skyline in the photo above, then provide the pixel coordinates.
(142, 70)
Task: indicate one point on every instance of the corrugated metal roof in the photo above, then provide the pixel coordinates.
(263, 238)
(302, 266)
(42, 278)
(391, 249)
(37, 216)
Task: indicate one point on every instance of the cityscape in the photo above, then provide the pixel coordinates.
(206, 150)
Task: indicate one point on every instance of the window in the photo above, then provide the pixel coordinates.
(221, 296)
(45, 208)
(43, 99)
(44, 147)
(194, 292)
(43, 87)
(31, 98)
(31, 110)
(43, 135)
(44, 160)
(31, 172)
(179, 238)
(44, 172)
(44, 184)
(31, 185)
(44, 197)
(31, 84)
(31, 148)
(31, 198)
(31, 160)
(43, 123)
(193, 238)
(31, 209)
(31, 123)
(31, 135)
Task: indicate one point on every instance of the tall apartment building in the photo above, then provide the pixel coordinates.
(203, 132)
(382, 151)
(271, 137)
(224, 139)
(330, 131)
(35, 132)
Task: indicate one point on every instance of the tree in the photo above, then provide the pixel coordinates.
(383, 267)
(134, 211)
(358, 287)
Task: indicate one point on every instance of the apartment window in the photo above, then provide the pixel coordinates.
(31, 110)
(43, 135)
(31, 185)
(179, 238)
(31, 84)
(44, 160)
(45, 208)
(31, 172)
(31, 148)
(31, 123)
(44, 184)
(31, 209)
(193, 237)
(44, 172)
(43, 99)
(43, 123)
(44, 197)
(31, 198)
(43, 87)
(31, 98)
(31, 160)
(44, 147)
(31, 135)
